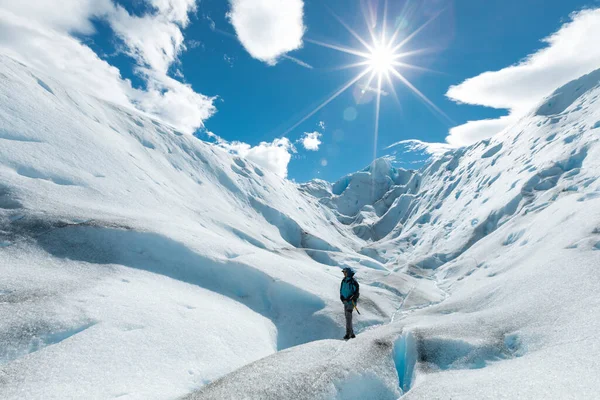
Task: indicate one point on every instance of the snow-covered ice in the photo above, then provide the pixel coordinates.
(137, 262)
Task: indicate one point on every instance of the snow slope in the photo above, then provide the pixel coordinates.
(137, 262)
(509, 230)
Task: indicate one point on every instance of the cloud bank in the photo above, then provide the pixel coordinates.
(46, 35)
(268, 29)
(474, 131)
(42, 34)
(273, 156)
(571, 52)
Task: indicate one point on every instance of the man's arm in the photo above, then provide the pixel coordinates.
(357, 292)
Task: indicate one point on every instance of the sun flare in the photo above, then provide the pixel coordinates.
(381, 59)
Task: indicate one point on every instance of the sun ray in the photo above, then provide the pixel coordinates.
(376, 133)
(383, 24)
(407, 10)
(371, 24)
(377, 110)
(391, 84)
(415, 67)
(416, 32)
(352, 31)
(329, 100)
(382, 61)
(399, 27)
(421, 95)
(413, 53)
(368, 85)
(339, 48)
(350, 66)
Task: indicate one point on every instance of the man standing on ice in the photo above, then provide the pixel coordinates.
(349, 296)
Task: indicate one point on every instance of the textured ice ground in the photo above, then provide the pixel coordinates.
(140, 262)
(508, 230)
(137, 262)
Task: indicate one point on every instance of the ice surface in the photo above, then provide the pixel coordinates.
(140, 263)
(330, 369)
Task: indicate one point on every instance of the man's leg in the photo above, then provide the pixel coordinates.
(348, 308)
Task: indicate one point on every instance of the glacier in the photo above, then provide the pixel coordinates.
(137, 262)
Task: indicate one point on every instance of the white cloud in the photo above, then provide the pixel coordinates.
(62, 16)
(39, 34)
(273, 156)
(311, 141)
(474, 131)
(174, 102)
(193, 44)
(154, 41)
(61, 56)
(321, 125)
(211, 23)
(268, 28)
(571, 52)
(175, 10)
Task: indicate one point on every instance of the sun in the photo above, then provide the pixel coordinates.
(381, 60)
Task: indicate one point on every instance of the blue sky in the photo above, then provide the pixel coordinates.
(200, 55)
(468, 38)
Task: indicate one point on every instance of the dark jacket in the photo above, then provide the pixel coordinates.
(349, 289)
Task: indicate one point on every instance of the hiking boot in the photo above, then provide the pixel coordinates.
(347, 336)
(352, 336)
